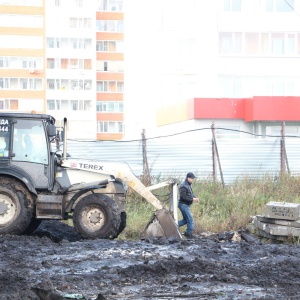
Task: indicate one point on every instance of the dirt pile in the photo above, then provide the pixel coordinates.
(55, 263)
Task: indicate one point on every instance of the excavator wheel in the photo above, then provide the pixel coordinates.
(15, 209)
(97, 216)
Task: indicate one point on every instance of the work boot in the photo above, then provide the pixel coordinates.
(188, 235)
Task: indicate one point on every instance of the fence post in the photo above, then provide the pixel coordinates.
(214, 156)
(283, 157)
(146, 173)
(217, 153)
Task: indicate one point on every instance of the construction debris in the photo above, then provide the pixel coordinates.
(281, 221)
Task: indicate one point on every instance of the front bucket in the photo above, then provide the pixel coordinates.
(162, 224)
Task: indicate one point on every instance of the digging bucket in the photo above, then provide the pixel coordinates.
(162, 224)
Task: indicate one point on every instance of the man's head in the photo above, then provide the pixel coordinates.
(190, 177)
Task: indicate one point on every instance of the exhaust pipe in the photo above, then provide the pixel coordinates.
(65, 139)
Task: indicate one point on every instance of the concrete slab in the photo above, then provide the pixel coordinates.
(272, 237)
(274, 229)
(282, 210)
(278, 221)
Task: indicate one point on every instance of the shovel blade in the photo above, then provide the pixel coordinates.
(162, 224)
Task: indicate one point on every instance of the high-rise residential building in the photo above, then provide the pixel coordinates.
(70, 65)
(22, 55)
(65, 58)
(232, 62)
(109, 69)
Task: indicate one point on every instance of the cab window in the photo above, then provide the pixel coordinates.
(4, 144)
(29, 142)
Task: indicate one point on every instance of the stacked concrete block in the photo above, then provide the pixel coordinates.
(281, 220)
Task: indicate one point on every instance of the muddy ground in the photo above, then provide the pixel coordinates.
(55, 263)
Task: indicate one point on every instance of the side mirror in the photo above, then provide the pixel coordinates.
(51, 130)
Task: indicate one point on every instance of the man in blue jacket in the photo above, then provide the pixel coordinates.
(186, 198)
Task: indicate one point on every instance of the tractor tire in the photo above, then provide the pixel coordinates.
(15, 207)
(97, 216)
(33, 226)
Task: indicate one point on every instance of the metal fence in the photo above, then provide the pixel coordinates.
(174, 156)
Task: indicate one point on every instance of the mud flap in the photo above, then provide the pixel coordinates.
(162, 224)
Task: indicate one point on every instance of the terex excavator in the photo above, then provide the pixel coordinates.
(38, 183)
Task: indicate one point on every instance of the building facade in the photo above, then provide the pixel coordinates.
(22, 56)
(109, 69)
(65, 58)
(226, 49)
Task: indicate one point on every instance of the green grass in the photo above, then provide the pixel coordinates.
(220, 209)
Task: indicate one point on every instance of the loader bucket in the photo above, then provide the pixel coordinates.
(162, 224)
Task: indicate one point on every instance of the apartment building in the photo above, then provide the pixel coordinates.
(110, 69)
(22, 53)
(65, 58)
(70, 65)
(229, 49)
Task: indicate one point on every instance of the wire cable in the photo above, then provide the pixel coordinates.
(188, 131)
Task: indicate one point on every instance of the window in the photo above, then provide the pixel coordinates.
(231, 87)
(87, 43)
(102, 46)
(109, 106)
(80, 22)
(110, 25)
(5, 135)
(53, 42)
(110, 127)
(110, 66)
(110, 5)
(50, 84)
(251, 43)
(30, 142)
(259, 43)
(225, 43)
(277, 43)
(232, 5)
(279, 5)
(78, 3)
(109, 46)
(9, 104)
(102, 86)
(4, 62)
(110, 86)
(50, 63)
(75, 105)
(120, 87)
(21, 83)
(74, 63)
(51, 104)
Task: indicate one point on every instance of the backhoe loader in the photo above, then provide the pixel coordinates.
(39, 181)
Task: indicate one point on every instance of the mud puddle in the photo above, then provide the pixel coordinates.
(55, 263)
